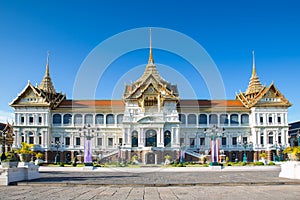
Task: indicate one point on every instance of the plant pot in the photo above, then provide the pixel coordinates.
(9, 164)
(25, 157)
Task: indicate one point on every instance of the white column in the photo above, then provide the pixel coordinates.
(265, 137)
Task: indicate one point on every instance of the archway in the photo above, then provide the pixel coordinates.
(151, 138)
(134, 139)
(167, 139)
(150, 158)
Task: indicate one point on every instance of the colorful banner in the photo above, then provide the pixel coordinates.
(88, 151)
(215, 147)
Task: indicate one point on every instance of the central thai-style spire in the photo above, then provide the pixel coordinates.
(46, 84)
(254, 84)
(150, 60)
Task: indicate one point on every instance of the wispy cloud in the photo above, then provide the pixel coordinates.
(6, 117)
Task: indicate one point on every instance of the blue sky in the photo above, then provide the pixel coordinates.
(228, 30)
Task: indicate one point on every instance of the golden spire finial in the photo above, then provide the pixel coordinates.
(47, 64)
(253, 65)
(254, 84)
(150, 60)
(46, 83)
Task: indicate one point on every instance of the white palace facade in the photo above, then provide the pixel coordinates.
(151, 121)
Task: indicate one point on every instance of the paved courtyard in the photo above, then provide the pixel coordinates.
(149, 183)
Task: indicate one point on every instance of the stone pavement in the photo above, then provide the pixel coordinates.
(151, 183)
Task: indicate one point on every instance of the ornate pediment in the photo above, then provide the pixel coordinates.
(150, 119)
(267, 96)
(29, 96)
(272, 97)
(34, 96)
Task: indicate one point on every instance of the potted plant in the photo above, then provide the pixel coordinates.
(263, 157)
(293, 153)
(10, 160)
(39, 159)
(134, 159)
(167, 159)
(25, 153)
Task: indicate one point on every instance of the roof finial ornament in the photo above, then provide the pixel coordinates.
(253, 65)
(47, 64)
(150, 60)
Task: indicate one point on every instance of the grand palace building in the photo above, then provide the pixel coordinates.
(152, 121)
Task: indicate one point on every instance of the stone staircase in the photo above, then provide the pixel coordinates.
(192, 153)
(112, 153)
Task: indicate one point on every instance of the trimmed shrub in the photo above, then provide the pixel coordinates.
(259, 163)
(271, 163)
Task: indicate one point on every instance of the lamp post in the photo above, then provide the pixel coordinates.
(119, 153)
(298, 138)
(214, 133)
(245, 144)
(3, 156)
(182, 153)
(56, 144)
(88, 161)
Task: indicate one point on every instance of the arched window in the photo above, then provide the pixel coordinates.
(134, 139)
(110, 119)
(78, 119)
(22, 137)
(192, 119)
(203, 119)
(99, 119)
(224, 119)
(213, 119)
(67, 119)
(40, 138)
(56, 119)
(120, 119)
(245, 119)
(234, 119)
(182, 118)
(31, 138)
(271, 138)
(167, 138)
(151, 138)
(88, 119)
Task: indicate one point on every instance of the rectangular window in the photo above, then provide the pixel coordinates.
(181, 141)
(192, 142)
(77, 141)
(234, 141)
(245, 140)
(223, 141)
(270, 120)
(262, 138)
(40, 120)
(270, 139)
(202, 141)
(22, 120)
(120, 141)
(31, 140)
(279, 139)
(30, 120)
(23, 139)
(67, 141)
(99, 141)
(56, 139)
(40, 139)
(110, 142)
(279, 119)
(261, 119)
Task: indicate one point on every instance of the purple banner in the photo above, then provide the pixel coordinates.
(88, 151)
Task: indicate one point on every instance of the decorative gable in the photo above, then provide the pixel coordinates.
(29, 97)
(272, 97)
